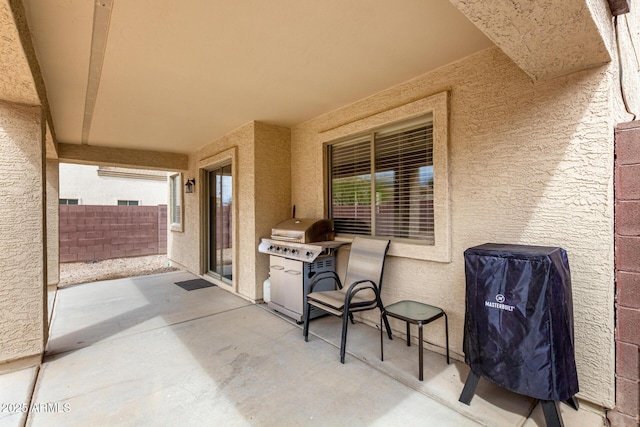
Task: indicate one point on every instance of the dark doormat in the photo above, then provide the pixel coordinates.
(190, 285)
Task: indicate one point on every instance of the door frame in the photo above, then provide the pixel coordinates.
(204, 166)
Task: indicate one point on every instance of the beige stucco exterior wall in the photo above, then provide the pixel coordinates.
(272, 189)
(184, 247)
(260, 155)
(53, 222)
(23, 281)
(546, 38)
(530, 163)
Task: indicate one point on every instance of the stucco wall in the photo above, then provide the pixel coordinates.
(22, 268)
(260, 156)
(530, 163)
(239, 146)
(272, 189)
(546, 38)
(53, 228)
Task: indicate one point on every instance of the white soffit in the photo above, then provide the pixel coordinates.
(179, 74)
(61, 34)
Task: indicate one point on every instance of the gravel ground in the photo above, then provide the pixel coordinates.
(72, 273)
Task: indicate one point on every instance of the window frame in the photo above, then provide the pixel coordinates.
(127, 202)
(436, 105)
(374, 141)
(175, 189)
(67, 200)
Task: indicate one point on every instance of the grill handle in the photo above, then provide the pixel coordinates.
(286, 238)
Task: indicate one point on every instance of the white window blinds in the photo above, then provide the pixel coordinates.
(394, 165)
(351, 187)
(176, 199)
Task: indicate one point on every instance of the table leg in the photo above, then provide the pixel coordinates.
(446, 332)
(419, 350)
(408, 334)
(381, 343)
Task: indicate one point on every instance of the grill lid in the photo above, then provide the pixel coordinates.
(304, 230)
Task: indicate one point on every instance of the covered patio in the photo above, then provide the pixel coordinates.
(143, 351)
(517, 103)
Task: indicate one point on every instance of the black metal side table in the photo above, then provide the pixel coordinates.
(418, 314)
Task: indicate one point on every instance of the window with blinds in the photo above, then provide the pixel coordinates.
(381, 184)
(175, 202)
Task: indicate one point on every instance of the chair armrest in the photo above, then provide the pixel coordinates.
(322, 276)
(351, 291)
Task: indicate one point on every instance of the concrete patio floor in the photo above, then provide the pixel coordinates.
(143, 351)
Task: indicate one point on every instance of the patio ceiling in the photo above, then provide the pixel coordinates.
(170, 75)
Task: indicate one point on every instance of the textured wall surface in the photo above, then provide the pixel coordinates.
(262, 198)
(272, 188)
(53, 223)
(22, 281)
(546, 38)
(530, 163)
(105, 232)
(184, 247)
(16, 82)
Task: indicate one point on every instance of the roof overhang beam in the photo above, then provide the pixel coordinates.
(122, 157)
(545, 38)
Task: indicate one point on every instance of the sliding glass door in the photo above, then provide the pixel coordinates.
(220, 204)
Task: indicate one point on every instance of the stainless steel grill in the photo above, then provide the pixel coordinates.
(299, 249)
(300, 239)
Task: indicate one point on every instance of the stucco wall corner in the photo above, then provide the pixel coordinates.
(187, 248)
(16, 80)
(22, 227)
(272, 189)
(545, 38)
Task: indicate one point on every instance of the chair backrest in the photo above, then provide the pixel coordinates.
(366, 262)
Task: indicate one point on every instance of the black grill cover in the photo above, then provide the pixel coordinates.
(519, 319)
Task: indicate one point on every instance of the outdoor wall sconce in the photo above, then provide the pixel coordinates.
(189, 185)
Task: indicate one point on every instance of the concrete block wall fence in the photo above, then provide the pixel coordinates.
(163, 229)
(627, 241)
(89, 232)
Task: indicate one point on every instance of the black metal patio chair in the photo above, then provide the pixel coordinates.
(363, 281)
